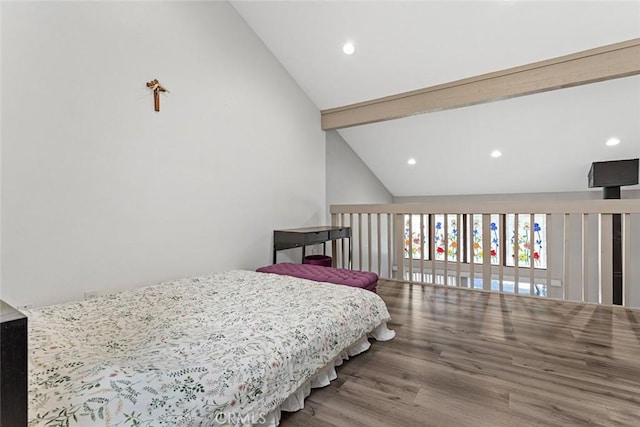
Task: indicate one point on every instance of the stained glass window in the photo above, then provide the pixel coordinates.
(470, 244)
(477, 239)
(412, 242)
(495, 240)
(527, 250)
(446, 244)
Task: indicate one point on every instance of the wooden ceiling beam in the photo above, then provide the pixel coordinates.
(589, 66)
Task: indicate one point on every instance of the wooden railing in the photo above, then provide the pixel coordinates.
(577, 239)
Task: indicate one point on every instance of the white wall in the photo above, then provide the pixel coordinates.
(101, 192)
(350, 181)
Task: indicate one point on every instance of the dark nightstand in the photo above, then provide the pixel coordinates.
(13, 366)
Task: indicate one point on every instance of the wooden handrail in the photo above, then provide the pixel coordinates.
(610, 206)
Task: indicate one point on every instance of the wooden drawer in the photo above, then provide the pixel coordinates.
(316, 237)
(340, 233)
(289, 239)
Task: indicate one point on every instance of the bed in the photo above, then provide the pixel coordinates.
(231, 348)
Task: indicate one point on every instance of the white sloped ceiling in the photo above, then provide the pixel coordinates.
(548, 140)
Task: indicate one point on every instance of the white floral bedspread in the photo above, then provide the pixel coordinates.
(202, 351)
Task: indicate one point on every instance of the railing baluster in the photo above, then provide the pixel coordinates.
(399, 245)
(548, 245)
(532, 253)
(445, 273)
(502, 250)
(349, 248)
(472, 262)
(334, 244)
(341, 252)
(337, 244)
(585, 257)
(459, 247)
(565, 256)
(626, 259)
(354, 231)
(432, 247)
(486, 252)
(422, 248)
(389, 248)
(606, 259)
(360, 241)
(379, 241)
(411, 247)
(369, 248)
(516, 253)
(340, 247)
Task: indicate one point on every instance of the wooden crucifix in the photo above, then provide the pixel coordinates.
(156, 87)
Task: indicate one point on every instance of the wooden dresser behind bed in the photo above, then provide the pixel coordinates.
(13, 367)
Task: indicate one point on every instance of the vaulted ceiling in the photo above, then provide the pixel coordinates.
(548, 140)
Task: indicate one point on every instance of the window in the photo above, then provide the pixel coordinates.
(530, 241)
(465, 240)
(446, 239)
(412, 246)
(478, 239)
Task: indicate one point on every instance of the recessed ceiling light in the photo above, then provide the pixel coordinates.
(612, 141)
(411, 161)
(496, 153)
(348, 48)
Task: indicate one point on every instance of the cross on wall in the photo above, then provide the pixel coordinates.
(156, 87)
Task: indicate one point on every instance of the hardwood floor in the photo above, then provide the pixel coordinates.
(465, 358)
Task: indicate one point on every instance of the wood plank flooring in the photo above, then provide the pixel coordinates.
(465, 358)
